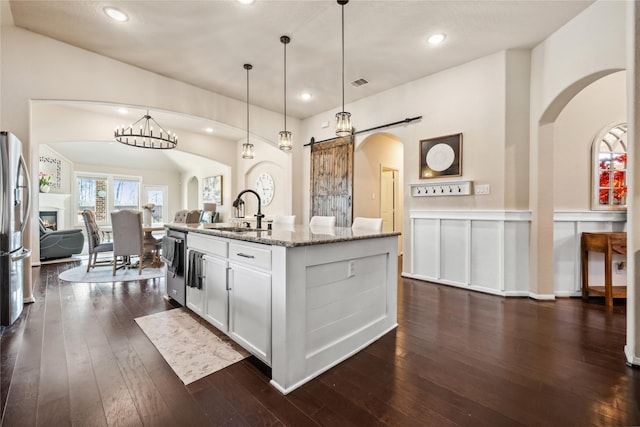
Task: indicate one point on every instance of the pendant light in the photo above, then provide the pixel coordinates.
(284, 138)
(247, 147)
(343, 119)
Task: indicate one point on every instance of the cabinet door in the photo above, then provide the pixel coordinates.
(250, 310)
(195, 297)
(216, 294)
(195, 300)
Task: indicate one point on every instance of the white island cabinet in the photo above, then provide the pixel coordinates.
(300, 300)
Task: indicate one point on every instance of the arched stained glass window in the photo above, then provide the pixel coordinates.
(610, 169)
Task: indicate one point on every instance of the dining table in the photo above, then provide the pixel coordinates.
(148, 238)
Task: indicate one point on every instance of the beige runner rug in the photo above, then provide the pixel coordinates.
(192, 350)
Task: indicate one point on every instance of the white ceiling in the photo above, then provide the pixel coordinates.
(206, 43)
(125, 157)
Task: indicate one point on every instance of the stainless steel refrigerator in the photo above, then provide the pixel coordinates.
(14, 212)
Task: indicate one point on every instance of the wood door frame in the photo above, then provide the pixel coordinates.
(396, 189)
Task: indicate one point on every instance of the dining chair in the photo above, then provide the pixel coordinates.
(186, 216)
(128, 241)
(94, 240)
(180, 216)
(367, 224)
(284, 220)
(323, 221)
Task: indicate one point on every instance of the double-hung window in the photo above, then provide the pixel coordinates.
(103, 194)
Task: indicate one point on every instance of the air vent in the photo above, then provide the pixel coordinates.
(359, 82)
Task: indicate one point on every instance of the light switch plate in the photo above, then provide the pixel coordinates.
(483, 189)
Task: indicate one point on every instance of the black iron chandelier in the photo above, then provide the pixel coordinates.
(141, 134)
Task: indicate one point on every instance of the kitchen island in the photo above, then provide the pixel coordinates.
(300, 299)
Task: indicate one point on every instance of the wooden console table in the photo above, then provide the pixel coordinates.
(608, 243)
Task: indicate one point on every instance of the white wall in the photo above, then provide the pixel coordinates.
(585, 116)
(79, 75)
(589, 47)
(273, 161)
(470, 99)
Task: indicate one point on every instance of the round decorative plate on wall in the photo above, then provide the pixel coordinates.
(440, 157)
(265, 188)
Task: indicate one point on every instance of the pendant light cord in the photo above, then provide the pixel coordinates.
(285, 86)
(342, 58)
(247, 103)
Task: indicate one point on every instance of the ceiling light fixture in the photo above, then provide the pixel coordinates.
(247, 147)
(343, 119)
(284, 138)
(436, 38)
(116, 14)
(305, 96)
(246, 1)
(123, 110)
(144, 137)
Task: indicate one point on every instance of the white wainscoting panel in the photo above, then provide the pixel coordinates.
(454, 251)
(486, 251)
(425, 261)
(487, 254)
(567, 229)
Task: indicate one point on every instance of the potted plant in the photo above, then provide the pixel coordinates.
(45, 182)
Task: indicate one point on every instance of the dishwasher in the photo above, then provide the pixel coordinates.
(175, 264)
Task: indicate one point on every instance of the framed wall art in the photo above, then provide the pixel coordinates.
(441, 156)
(212, 189)
(53, 168)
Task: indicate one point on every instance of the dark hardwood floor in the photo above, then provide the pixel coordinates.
(76, 357)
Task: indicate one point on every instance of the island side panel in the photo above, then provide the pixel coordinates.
(338, 298)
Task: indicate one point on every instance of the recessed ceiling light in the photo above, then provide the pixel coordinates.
(436, 38)
(209, 130)
(246, 1)
(123, 111)
(305, 96)
(116, 14)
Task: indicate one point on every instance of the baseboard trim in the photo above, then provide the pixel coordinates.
(631, 359)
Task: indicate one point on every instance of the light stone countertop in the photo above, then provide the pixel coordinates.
(281, 235)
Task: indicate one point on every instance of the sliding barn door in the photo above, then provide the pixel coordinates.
(332, 180)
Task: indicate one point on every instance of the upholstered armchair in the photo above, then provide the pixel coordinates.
(59, 243)
(94, 238)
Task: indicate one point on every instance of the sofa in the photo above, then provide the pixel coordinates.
(59, 243)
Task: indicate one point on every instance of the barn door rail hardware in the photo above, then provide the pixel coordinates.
(407, 120)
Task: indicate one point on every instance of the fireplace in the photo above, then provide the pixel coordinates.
(50, 219)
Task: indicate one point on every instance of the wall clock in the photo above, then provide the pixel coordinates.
(265, 188)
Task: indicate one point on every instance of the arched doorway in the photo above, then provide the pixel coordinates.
(596, 106)
(192, 193)
(378, 171)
